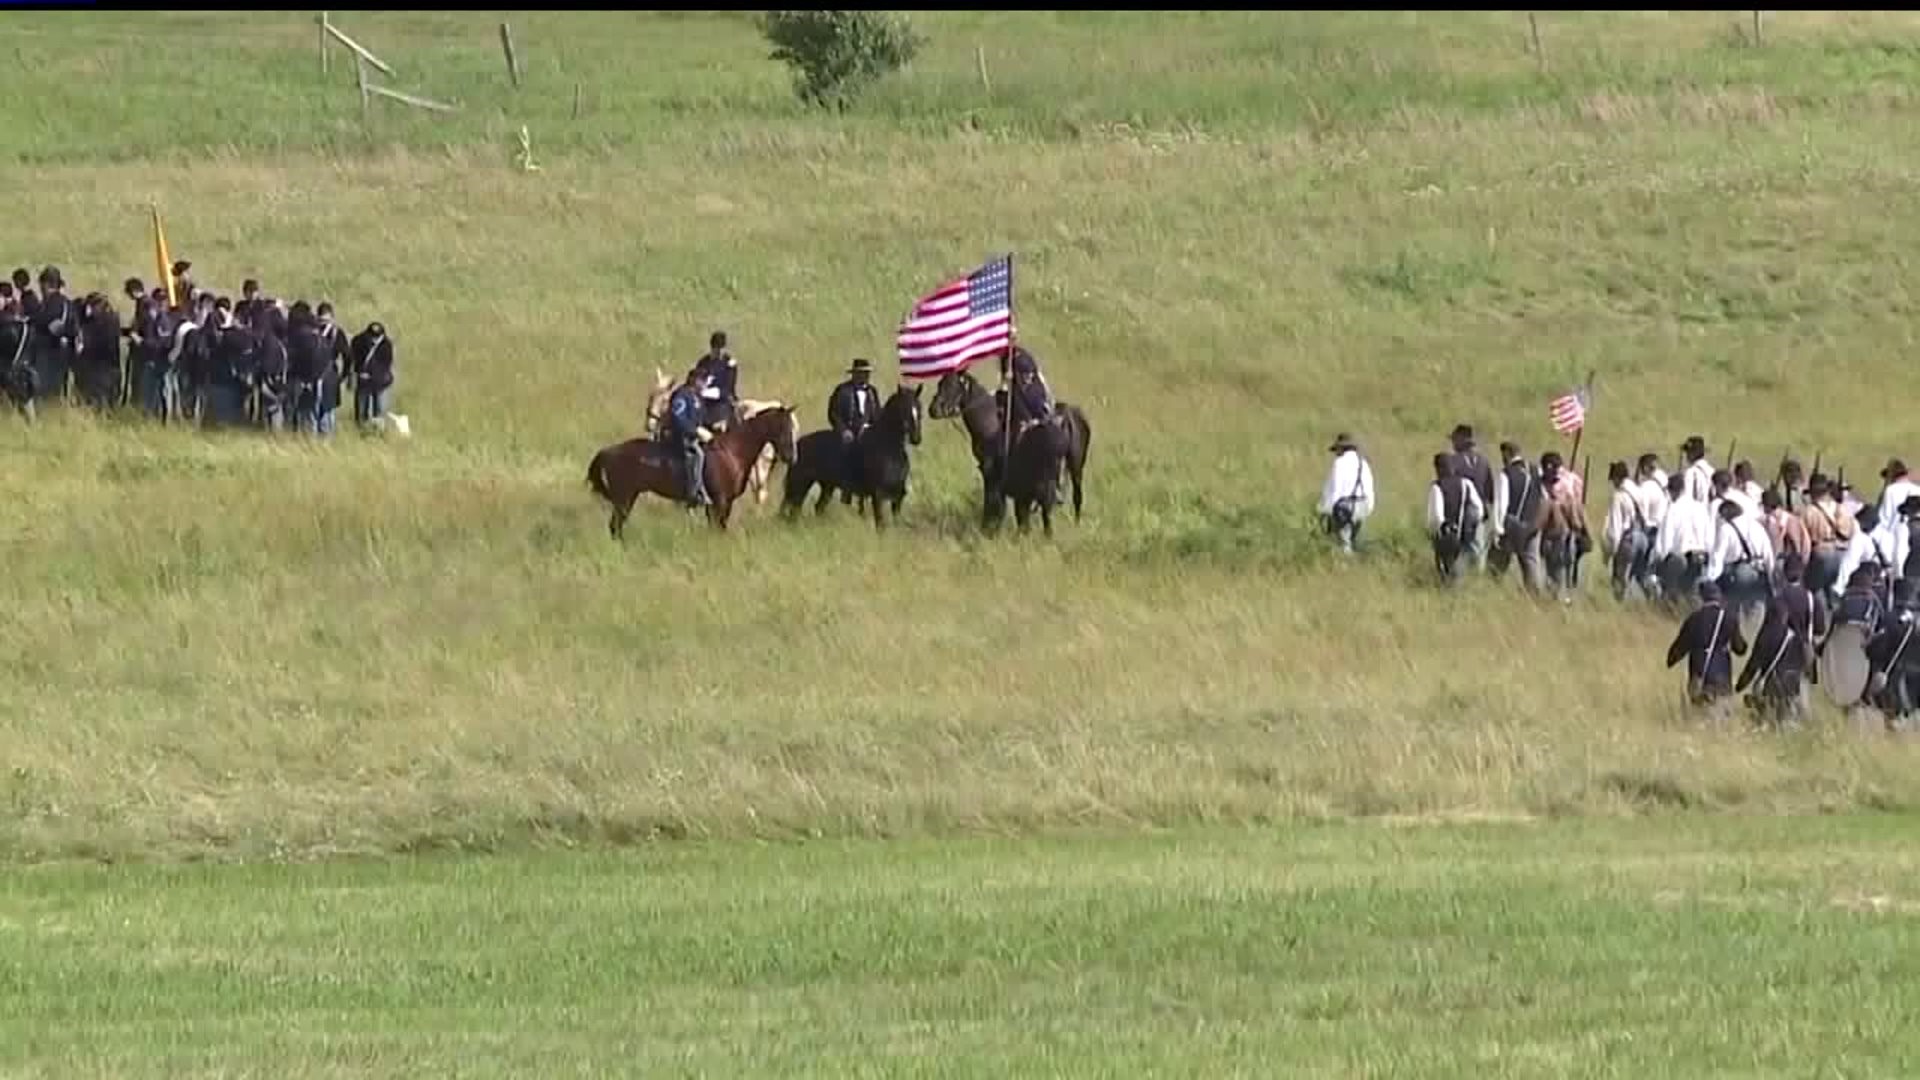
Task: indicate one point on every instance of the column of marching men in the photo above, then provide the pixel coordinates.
(1818, 569)
(185, 355)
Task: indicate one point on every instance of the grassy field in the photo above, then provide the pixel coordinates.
(1749, 947)
(1237, 233)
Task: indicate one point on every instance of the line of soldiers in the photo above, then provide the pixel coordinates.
(1522, 514)
(1711, 543)
(193, 358)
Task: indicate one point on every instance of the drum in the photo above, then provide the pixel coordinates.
(1843, 665)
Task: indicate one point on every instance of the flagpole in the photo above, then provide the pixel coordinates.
(1573, 458)
(1006, 380)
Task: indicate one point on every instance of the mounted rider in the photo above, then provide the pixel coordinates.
(686, 422)
(1032, 398)
(722, 392)
(851, 410)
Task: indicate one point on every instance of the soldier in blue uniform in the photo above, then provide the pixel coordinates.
(687, 421)
(1032, 398)
(723, 387)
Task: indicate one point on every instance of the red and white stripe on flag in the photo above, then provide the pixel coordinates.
(1568, 412)
(959, 322)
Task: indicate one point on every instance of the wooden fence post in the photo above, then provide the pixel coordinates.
(513, 59)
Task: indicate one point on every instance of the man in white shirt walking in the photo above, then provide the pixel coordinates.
(1627, 540)
(1680, 548)
(1900, 488)
(1517, 497)
(1873, 547)
(1346, 499)
(1742, 558)
(1454, 515)
(1697, 470)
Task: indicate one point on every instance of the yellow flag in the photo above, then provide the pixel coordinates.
(163, 260)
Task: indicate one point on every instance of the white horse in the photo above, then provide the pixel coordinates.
(744, 409)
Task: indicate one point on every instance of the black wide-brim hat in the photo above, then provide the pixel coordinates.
(1342, 441)
(859, 367)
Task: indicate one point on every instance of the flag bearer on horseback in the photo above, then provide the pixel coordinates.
(686, 417)
(1032, 398)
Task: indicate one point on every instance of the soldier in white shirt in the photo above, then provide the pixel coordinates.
(1454, 515)
(1698, 470)
(1871, 547)
(1517, 495)
(1746, 485)
(1627, 540)
(1900, 488)
(1742, 558)
(1651, 482)
(1724, 489)
(1680, 549)
(1346, 500)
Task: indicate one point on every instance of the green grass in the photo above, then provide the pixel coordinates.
(1237, 233)
(1112, 772)
(1708, 947)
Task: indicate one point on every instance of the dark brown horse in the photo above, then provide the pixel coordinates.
(621, 473)
(875, 469)
(1032, 476)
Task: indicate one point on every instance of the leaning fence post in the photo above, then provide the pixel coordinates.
(513, 59)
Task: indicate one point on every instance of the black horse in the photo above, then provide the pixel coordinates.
(878, 470)
(1031, 476)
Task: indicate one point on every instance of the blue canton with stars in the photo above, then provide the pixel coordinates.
(990, 288)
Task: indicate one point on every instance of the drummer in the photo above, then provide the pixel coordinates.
(1860, 603)
(1844, 669)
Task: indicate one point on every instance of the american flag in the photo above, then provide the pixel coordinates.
(959, 322)
(1569, 411)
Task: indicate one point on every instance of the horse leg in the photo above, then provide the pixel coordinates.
(1023, 514)
(879, 512)
(1075, 467)
(826, 497)
(799, 484)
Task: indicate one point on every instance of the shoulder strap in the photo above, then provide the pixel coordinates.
(1713, 639)
(1832, 522)
(1901, 651)
(1639, 514)
(1359, 472)
(1741, 536)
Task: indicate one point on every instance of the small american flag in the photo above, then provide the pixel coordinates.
(959, 322)
(1569, 411)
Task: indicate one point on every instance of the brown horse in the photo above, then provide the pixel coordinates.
(745, 409)
(621, 473)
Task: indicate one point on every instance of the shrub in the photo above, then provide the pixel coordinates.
(837, 54)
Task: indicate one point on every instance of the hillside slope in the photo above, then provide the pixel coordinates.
(1236, 233)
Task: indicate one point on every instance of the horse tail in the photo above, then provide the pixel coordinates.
(597, 476)
(1077, 462)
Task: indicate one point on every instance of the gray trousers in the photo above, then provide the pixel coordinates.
(1532, 576)
(1630, 567)
(696, 462)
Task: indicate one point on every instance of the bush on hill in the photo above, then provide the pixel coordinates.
(837, 54)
